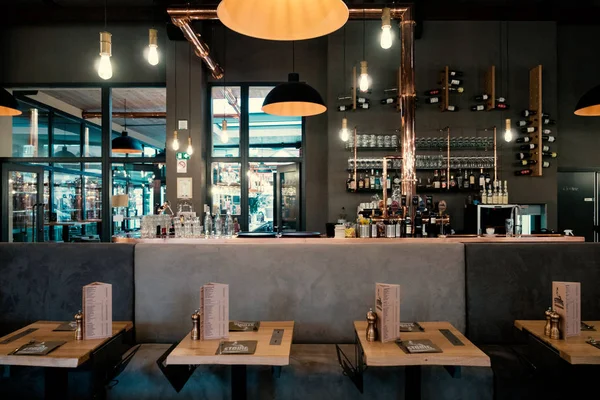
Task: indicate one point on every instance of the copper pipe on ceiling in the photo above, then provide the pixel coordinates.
(355, 13)
(132, 115)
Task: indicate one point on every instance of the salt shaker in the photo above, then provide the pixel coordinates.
(548, 326)
(195, 326)
(554, 331)
(79, 326)
(371, 329)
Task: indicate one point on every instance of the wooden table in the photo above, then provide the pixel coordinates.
(203, 352)
(72, 354)
(391, 355)
(574, 349)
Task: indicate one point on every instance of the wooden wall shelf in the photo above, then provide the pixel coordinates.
(535, 104)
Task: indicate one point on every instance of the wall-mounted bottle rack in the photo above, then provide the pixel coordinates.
(535, 104)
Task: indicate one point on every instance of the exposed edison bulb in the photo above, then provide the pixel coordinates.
(175, 144)
(386, 37)
(224, 133)
(386, 29)
(344, 134)
(105, 68)
(153, 55)
(363, 80)
(190, 149)
(508, 134)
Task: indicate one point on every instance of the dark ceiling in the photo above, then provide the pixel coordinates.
(25, 12)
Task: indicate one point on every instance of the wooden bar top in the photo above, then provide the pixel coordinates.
(196, 352)
(70, 355)
(391, 355)
(353, 241)
(573, 349)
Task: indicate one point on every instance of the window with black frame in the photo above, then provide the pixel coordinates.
(256, 161)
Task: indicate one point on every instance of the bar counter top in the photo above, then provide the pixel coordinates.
(350, 241)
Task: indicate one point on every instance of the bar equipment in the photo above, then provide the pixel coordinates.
(548, 327)
(371, 329)
(554, 321)
(79, 326)
(196, 325)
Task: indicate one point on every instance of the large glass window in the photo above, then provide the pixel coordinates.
(226, 111)
(30, 132)
(226, 187)
(67, 137)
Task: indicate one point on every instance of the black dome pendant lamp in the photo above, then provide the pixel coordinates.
(293, 98)
(125, 144)
(589, 104)
(8, 105)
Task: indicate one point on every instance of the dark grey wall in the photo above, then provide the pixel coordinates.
(68, 54)
(578, 65)
(471, 47)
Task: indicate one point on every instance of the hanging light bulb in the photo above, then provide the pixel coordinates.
(105, 68)
(224, 134)
(175, 144)
(153, 46)
(508, 134)
(344, 134)
(386, 29)
(190, 149)
(363, 80)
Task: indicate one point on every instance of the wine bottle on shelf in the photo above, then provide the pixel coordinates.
(501, 100)
(347, 107)
(361, 182)
(529, 146)
(529, 129)
(546, 131)
(433, 100)
(466, 183)
(372, 180)
(482, 97)
(455, 82)
(367, 181)
(455, 73)
(364, 106)
(433, 92)
(389, 100)
(478, 107)
(481, 179)
(528, 162)
(524, 123)
(460, 179)
(524, 139)
(471, 180)
(548, 121)
(452, 108)
(350, 183)
(549, 154)
(528, 113)
(388, 182)
(523, 156)
(457, 89)
(490, 194)
(546, 164)
(483, 195)
(361, 100)
(524, 172)
(502, 106)
(548, 138)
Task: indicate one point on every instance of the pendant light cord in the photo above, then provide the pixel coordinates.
(190, 91)
(105, 13)
(293, 56)
(175, 81)
(364, 29)
(125, 114)
(224, 69)
(344, 66)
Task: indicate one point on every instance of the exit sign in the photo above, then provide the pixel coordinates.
(183, 156)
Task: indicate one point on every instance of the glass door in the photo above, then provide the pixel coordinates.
(288, 197)
(23, 203)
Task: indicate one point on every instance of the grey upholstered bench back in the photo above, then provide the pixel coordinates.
(43, 281)
(323, 287)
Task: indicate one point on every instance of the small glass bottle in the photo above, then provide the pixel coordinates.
(218, 226)
(208, 226)
(228, 228)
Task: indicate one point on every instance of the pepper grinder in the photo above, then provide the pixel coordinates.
(371, 329)
(195, 326)
(548, 326)
(79, 327)
(554, 332)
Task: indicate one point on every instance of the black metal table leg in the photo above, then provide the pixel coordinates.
(56, 383)
(238, 382)
(412, 382)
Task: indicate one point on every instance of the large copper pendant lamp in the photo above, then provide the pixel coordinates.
(283, 19)
(589, 104)
(8, 105)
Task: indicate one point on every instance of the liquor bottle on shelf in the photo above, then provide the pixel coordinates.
(505, 193)
(470, 182)
(523, 156)
(364, 106)
(443, 183)
(361, 100)
(418, 231)
(436, 180)
(488, 178)
(452, 109)
(408, 227)
(361, 182)
(529, 129)
(372, 180)
(524, 123)
(546, 131)
(460, 179)
(350, 187)
(452, 184)
(346, 107)
(494, 193)
(367, 181)
(456, 89)
(549, 154)
(437, 92)
(527, 162)
(524, 139)
(455, 82)
(524, 172)
(478, 107)
(548, 138)
(455, 73)
(481, 180)
(388, 182)
(433, 100)
(389, 100)
(501, 100)
(490, 194)
(377, 180)
(483, 195)
(433, 92)
(502, 106)
(529, 146)
(482, 97)
(548, 121)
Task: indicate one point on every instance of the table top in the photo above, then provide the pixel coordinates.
(70, 355)
(391, 355)
(574, 349)
(196, 352)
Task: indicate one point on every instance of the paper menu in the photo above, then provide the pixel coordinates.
(214, 311)
(387, 307)
(97, 310)
(566, 302)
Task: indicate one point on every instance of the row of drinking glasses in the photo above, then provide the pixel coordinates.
(148, 227)
(474, 142)
(373, 163)
(472, 162)
(189, 228)
(372, 140)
